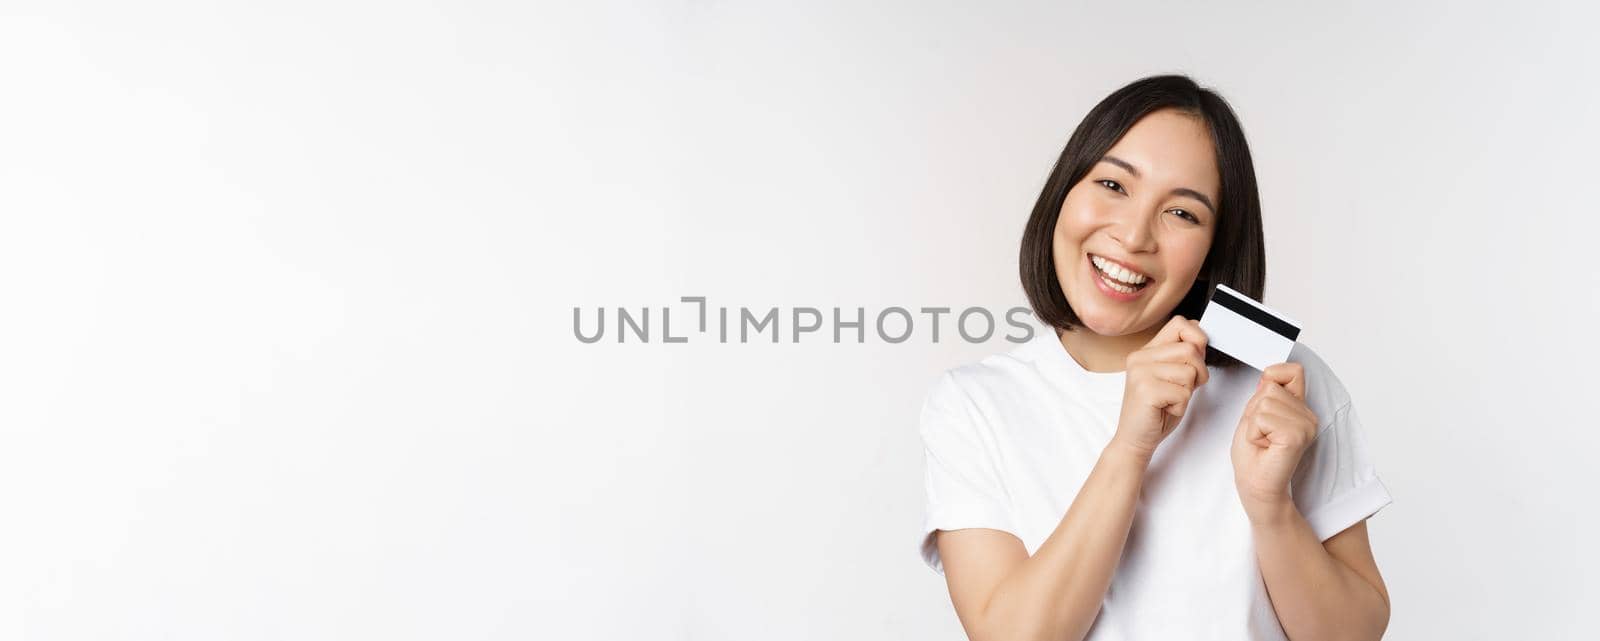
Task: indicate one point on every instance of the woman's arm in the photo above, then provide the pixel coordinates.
(1320, 591)
(1000, 593)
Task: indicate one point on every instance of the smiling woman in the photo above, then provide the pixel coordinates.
(1159, 144)
(1164, 164)
(1055, 511)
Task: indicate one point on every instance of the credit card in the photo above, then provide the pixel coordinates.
(1247, 330)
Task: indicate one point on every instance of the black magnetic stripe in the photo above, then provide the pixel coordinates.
(1242, 308)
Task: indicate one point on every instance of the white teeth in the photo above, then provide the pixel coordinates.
(1116, 271)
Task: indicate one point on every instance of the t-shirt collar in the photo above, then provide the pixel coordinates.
(1053, 359)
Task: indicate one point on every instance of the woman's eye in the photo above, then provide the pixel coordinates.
(1110, 184)
(1185, 214)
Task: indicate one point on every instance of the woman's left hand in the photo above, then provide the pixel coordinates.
(1274, 432)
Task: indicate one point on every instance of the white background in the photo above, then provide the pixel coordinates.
(286, 349)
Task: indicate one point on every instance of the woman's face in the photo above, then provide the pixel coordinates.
(1147, 213)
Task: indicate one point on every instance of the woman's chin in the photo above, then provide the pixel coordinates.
(1121, 323)
(1106, 325)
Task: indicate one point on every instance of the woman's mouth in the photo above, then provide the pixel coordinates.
(1117, 281)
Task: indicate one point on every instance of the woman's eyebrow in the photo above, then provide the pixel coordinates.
(1185, 191)
(1121, 163)
(1181, 191)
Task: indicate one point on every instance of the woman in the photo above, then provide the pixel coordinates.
(1113, 479)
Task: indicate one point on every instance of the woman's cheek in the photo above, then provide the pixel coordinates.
(1193, 255)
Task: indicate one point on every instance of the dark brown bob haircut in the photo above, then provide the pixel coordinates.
(1237, 256)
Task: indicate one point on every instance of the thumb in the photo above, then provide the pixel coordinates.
(1241, 434)
(1290, 375)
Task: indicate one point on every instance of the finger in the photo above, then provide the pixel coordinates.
(1282, 429)
(1179, 329)
(1249, 429)
(1174, 397)
(1288, 412)
(1178, 409)
(1247, 432)
(1244, 432)
(1282, 414)
(1305, 418)
(1291, 403)
(1199, 363)
(1163, 394)
(1190, 332)
(1180, 373)
(1292, 376)
(1169, 332)
(1173, 351)
(1184, 352)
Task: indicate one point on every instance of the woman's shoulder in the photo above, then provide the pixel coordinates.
(995, 373)
(982, 396)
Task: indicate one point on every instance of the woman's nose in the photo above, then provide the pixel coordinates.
(1133, 231)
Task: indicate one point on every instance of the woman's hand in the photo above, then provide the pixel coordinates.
(1274, 432)
(1161, 378)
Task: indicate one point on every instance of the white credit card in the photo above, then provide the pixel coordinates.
(1247, 330)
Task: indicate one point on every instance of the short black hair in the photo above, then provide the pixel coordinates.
(1237, 256)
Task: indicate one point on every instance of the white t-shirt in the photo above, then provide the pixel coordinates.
(1011, 438)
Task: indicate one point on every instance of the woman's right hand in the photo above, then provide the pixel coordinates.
(1161, 377)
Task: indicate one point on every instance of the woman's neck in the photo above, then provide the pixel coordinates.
(1098, 353)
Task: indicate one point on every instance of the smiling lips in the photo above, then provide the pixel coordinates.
(1118, 277)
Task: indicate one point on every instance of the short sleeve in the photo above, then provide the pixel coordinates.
(964, 487)
(1336, 485)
